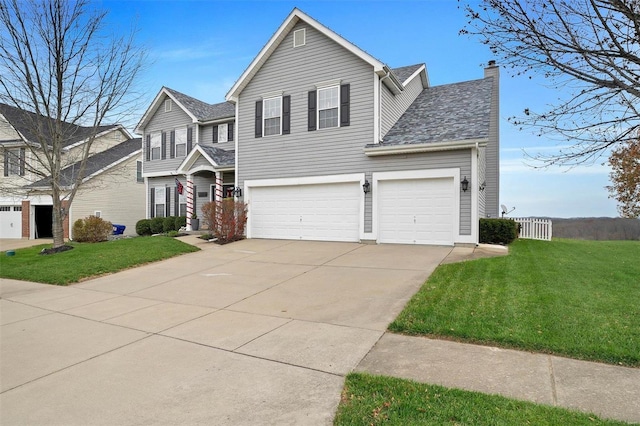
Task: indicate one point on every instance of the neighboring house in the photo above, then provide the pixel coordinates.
(112, 187)
(188, 144)
(332, 144)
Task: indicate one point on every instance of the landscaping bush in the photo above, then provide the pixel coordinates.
(169, 224)
(226, 219)
(157, 225)
(91, 229)
(181, 221)
(498, 231)
(143, 227)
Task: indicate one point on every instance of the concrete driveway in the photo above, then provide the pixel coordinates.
(254, 332)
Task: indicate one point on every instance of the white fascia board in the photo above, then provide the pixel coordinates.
(294, 17)
(105, 132)
(425, 147)
(418, 72)
(397, 87)
(154, 106)
(112, 165)
(217, 121)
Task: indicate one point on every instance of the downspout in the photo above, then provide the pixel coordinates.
(387, 75)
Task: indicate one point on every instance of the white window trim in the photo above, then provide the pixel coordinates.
(167, 105)
(223, 134)
(264, 118)
(186, 131)
(163, 190)
(302, 31)
(318, 106)
(156, 142)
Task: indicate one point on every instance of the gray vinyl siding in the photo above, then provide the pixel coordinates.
(393, 106)
(327, 151)
(295, 71)
(162, 121)
(493, 150)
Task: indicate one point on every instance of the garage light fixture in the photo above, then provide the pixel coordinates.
(237, 191)
(464, 184)
(366, 187)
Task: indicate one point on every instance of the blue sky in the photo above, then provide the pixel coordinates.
(201, 47)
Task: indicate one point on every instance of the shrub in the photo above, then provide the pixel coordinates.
(157, 225)
(143, 227)
(91, 229)
(172, 233)
(169, 224)
(226, 219)
(181, 221)
(498, 231)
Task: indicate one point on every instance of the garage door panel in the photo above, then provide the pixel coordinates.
(324, 212)
(416, 211)
(10, 221)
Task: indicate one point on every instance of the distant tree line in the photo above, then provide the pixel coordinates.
(597, 228)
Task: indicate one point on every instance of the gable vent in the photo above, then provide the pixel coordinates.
(299, 37)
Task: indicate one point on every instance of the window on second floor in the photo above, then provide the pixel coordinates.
(156, 144)
(181, 142)
(139, 177)
(223, 132)
(328, 107)
(14, 161)
(272, 116)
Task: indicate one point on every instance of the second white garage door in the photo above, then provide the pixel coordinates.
(416, 211)
(322, 212)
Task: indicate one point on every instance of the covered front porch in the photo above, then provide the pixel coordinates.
(206, 174)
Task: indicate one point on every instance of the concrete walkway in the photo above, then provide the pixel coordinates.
(256, 332)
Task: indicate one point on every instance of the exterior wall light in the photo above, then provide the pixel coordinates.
(237, 191)
(464, 184)
(366, 187)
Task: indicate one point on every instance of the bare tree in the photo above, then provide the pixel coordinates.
(589, 48)
(58, 61)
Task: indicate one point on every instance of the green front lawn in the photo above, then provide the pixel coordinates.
(575, 298)
(88, 259)
(372, 400)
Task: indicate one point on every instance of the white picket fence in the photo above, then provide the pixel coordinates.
(535, 229)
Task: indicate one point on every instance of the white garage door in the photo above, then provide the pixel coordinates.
(416, 211)
(323, 212)
(10, 222)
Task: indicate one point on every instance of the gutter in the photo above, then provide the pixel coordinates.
(424, 147)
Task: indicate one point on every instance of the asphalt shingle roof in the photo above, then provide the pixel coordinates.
(451, 112)
(202, 110)
(27, 122)
(220, 156)
(95, 163)
(404, 73)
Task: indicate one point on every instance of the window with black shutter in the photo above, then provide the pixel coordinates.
(258, 120)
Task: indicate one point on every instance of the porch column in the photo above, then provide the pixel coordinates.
(190, 201)
(219, 195)
(26, 219)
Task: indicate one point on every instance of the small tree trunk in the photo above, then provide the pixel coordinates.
(57, 222)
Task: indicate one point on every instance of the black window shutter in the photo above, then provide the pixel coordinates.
(189, 139)
(22, 161)
(172, 149)
(148, 147)
(163, 149)
(167, 205)
(312, 110)
(258, 132)
(215, 134)
(152, 201)
(176, 202)
(6, 162)
(344, 104)
(230, 132)
(286, 115)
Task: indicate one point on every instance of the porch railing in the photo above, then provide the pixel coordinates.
(534, 228)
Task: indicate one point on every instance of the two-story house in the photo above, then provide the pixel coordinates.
(189, 158)
(333, 144)
(112, 185)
